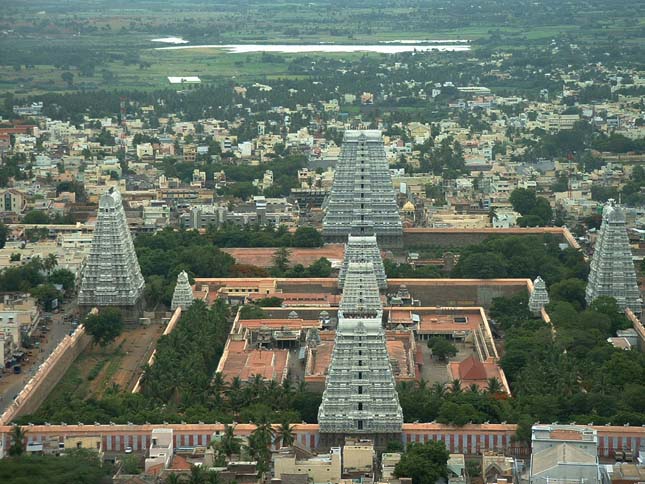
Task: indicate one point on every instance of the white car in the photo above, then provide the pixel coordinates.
(128, 450)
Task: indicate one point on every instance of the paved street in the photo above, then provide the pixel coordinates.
(11, 384)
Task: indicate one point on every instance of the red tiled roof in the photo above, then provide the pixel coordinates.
(472, 369)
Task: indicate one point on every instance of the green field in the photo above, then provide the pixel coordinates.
(108, 45)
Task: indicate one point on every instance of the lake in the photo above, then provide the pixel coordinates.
(383, 48)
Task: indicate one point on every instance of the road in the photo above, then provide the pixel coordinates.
(11, 384)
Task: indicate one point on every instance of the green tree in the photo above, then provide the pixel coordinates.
(36, 217)
(307, 237)
(64, 278)
(424, 463)
(280, 261)
(229, 444)
(17, 441)
(523, 200)
(4, 232)
(131, 464)
(569, 290)
(46, 295)
(442, 348)
(260, 442)
(105, 326)
(286, 434)
(68, 77)
(608, 306)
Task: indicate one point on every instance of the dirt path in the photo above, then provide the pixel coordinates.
(122, 361)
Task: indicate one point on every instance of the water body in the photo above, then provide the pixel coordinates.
(170, 40)
(389, 48)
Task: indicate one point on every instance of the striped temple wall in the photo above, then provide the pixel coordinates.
(469, 439)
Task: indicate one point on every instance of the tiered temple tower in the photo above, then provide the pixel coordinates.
(360, 395)
(362, 200)
(112, 276)
(363, 249)
(612, 267)
(539, 296)
(183, 295)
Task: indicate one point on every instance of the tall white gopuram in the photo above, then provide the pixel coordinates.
(360, 395)
(362, 199)
(612, 267)
(183, 294)
(112, 276)
(539, 296)
(363, 249)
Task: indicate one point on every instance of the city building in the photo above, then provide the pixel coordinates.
(112, 276)
(13, 201)
(612, 267)
(362, 200)
(322, 468)
(564, 454)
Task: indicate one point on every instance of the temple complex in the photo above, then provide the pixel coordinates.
(612, 267)
(539, 296)
(363, 249)
(183, 294)
(362, 200)
(112, 276)
(360, 395)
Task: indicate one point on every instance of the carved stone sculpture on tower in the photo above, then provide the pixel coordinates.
(183, 294)
(612, 267)
(363, 249)
(360, 395)
(112, 276)
(539, 297)
(362, 199)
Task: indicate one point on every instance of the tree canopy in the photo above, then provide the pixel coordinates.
(105, 326)
(424, 463)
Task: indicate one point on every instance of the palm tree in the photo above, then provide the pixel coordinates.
(494, 386)
(50, 262)
(302, 387)
(286, 434)
(17, 441)
(197, 475)
(173, 479)
(229, 444)
(455, 386)
(234, 393)
(473, 388)
(260, 442)
(439, 389)
(257, 385)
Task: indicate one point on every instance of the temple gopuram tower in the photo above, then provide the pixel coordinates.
(363, 249)
(362, 200)
(112, 276)
(539, 296)
(612, 267)
(183, 294)
(360, 397)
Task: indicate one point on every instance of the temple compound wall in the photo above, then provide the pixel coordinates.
(418, 238)
(470, 439)
(49, 374)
